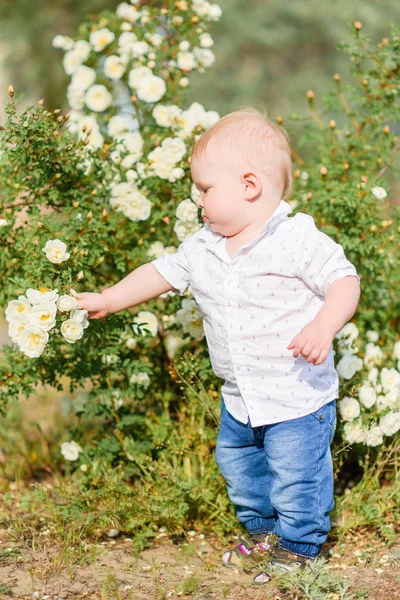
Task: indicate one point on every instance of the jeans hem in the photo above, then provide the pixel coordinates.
(300, 548)
(260, 525)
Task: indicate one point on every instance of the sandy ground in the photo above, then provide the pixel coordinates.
(191, 569)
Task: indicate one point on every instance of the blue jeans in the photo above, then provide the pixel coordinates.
(280, 476)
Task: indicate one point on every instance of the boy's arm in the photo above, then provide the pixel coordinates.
(143, 284)
(315, 339)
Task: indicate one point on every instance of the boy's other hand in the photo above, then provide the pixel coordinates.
(313, 342)
(93, 302)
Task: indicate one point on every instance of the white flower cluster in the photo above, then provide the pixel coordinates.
(187, 219)
(32, 317)
(375, 412)
(70, 450)
(157, 249)
(190, 317)
(147, 320)
(128, 199)
(184, 122)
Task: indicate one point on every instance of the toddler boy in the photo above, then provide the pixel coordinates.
(273, 291)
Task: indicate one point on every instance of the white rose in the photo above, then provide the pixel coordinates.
(367, 395)
(142, 379)
(137, 75)
(151, 89)
(3, 222)
(15, 328)
(18, 309)
(32, 341)
(83, 77)
(101, 38)
(349, 408)
(396, 350)
(82, 48)
(390, 423)
(354, 432)
(206, 40)
(187, 211)
(184, 82)
(43, 315)
(176, 173)
(215, 12)
(390, 378)
(71, 62)
(139, 48)
(63, 42)
(172, 343)
(127, 12)
(373, 437)
(209, 119)
(56, 251)
(72, 330)
(205, 57)
(392, 398)
(117, 125)
(195, 330)
(81, 315)
(70, 450)
(188, 313)
(132, 142)
(348, 366)
(148, 320)
(165, 116)
(349, 332)
(66, 303)
(113, 67)
(131, 343)
(154, 38)
(379, 193)
(373, 376)
(373, 336)
(185, 229)
(186, 122)
(185, 45)
(98, 98)
(373, 354)
(76, 97)
(156, 250)
(175, 149)
(38, 296)
(383, 402)
(186, 61)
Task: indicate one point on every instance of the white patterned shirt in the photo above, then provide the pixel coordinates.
(254, 303)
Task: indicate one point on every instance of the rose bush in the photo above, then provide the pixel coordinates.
(89, 196)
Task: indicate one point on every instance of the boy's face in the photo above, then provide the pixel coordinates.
(221, 186)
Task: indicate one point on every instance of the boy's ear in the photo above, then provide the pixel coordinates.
(252, 185)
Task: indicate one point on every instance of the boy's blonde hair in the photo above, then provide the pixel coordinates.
(256, 141)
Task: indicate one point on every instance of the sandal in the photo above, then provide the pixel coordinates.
(249, 553)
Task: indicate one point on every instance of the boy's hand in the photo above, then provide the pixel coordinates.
(313, 342)
(92, 302)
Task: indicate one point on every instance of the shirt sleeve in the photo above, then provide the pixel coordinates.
(175, 268)
(321, 260)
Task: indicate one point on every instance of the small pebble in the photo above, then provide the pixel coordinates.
(113, 533)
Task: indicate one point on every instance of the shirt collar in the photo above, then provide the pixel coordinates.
(281, 212)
